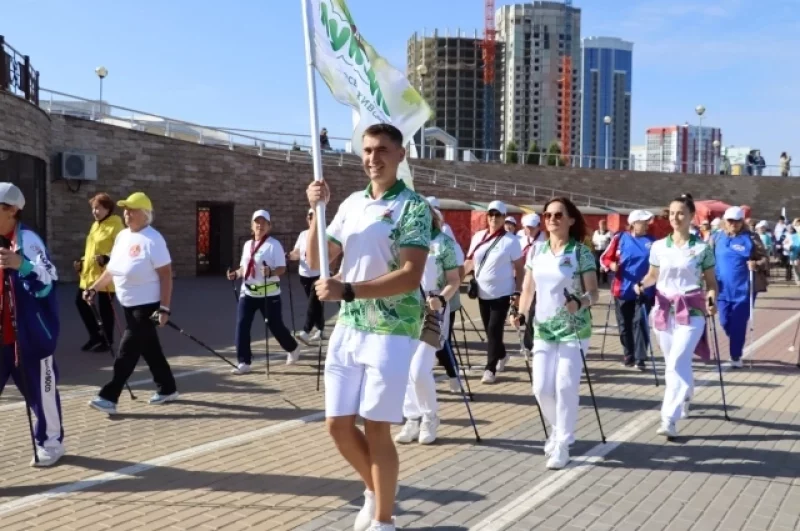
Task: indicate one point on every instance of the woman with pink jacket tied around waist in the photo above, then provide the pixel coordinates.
(681, 266)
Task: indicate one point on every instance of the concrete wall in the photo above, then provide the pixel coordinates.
(24, 127)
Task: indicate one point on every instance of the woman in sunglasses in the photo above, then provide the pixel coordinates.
(681, 266)
(495, 259)
(562, 325)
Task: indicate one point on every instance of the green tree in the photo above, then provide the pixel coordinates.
(554, 153)
(533, 155)
(511, 153)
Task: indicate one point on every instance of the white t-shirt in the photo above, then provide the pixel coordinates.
(300, 247)
(496, 276)
(526, 242)
(271, 252)
(133, 263)
(680, 269)
(459, 251)
(600, 240)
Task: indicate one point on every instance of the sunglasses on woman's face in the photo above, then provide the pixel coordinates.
(555, 216)
(494, 214)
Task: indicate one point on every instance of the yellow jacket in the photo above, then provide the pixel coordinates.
(100, 241)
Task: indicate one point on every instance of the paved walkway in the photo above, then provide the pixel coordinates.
(252, 453)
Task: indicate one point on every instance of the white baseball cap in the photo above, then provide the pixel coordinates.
(499, 206)
(531, 220)
(715, 222)
(433, 201)
(11, 195)
(734, 213)
(762, 223)
(639, 215)
(260, 214)
(510, 219)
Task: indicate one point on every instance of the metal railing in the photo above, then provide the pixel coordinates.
(17, 75)
(289, 148)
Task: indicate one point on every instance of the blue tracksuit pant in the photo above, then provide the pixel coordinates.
(734, 317)
(42, 397)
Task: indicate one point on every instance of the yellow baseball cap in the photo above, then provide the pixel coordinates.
(136, 201)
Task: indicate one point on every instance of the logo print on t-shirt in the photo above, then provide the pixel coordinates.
(738, 247)
(566, 262)
(135, 250)
(386, 217)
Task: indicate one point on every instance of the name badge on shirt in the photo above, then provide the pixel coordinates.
(566, 262)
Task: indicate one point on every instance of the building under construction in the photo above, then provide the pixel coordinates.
(448, 71)
(538, 82)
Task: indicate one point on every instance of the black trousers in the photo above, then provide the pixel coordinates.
(104, 302)
(443, 356)
(248, 306)
(493, 314)
(632, 327)
(315, 318)
(602, 276)
(140, 338)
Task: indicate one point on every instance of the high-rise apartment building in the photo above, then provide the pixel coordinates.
(683, 149)
(448, 73)
(606, 92)
(532, 95)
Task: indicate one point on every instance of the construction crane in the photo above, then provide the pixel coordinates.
(566, 84)
(489, 53)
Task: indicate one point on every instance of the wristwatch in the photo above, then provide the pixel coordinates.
(348, 295)
(442, 300)
(164, 309)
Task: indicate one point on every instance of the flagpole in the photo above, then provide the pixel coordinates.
(316, 153)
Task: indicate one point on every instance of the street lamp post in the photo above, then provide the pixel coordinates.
(716, 145)
(700, 110)
(422, 71)
(607, 121)
(101, 72)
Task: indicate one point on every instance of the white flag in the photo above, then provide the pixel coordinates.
(359, 77)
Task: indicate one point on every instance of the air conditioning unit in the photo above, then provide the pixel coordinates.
(77, 166)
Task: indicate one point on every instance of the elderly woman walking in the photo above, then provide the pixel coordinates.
(141, 270)
(96, 255)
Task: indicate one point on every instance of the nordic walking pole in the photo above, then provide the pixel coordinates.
(605, 333)
(105, 338)
(570, 297)
(183, 332)
(266, 319)
(454, 341)
(8, 294)
(464, 332)
(719, 363)
(233, 285)
(646, 324)
(463, 394)
(752, 319)
(464, 312)
(523, 351)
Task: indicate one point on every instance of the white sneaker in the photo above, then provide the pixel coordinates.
(293, 357)
(454, 387)
(158, 398)
(685, 410)
(427, 430)
(501, 365)
(409, 433)
(736, 364)
(364, 518)
(304, 337)
(316, 336)
(48, 456)
(667, 429)
(559, 458)
(242, 368)
(380, 526)
(550, 444)
(488, 377)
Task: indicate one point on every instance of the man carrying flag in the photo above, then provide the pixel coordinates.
(383, 233)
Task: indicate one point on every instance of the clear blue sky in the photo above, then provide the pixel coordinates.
(240, 63)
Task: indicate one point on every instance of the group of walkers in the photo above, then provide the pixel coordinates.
(398, 285)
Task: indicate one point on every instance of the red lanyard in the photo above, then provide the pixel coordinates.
(251, 265)
(485, 239)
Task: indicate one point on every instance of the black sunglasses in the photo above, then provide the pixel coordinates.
(493, 214)
(556, 216)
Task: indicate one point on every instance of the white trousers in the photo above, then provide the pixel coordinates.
(421, 390)
(556, 384)
(677, 345)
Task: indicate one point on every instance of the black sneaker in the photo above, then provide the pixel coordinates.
(100, 347)
(641, 365)
(89, 345)
(629, 362)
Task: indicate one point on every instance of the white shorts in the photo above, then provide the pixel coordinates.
(366, 374)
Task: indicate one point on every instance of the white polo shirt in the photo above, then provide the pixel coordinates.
(455, 302)
(552, 273)
(271, 252)
(371, 233)
(441, 259)
(133, 263)
(496, 276)
(680, 269)
(303, 268)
